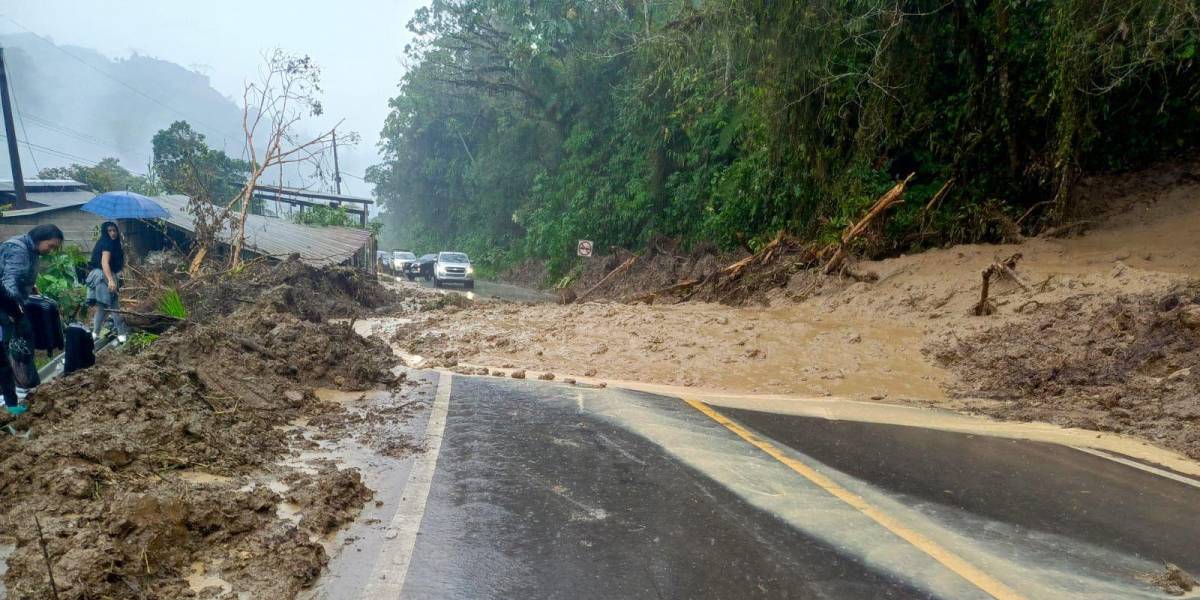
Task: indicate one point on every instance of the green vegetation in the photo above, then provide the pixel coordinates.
(524, 126)
(325, 216)
(58, 280)
(107, 176)
(171, 305)
(140, 341)
(186, 165)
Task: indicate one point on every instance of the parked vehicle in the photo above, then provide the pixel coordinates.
(453, 267)
(400, 261)
(422, 267)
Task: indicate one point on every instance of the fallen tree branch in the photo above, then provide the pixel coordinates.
(1006, 268)
(613, 273)
(892, 196)
(46, 556)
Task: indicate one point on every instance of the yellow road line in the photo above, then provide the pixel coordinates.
(951, 561)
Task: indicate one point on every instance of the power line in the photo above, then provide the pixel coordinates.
(66, 155)
(17, 109)
(83, 137)
(114, 78)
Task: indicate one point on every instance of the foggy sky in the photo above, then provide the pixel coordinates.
(357, 43)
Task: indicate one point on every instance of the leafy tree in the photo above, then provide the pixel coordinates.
(522, 127)
(106, 176)
(185, 164)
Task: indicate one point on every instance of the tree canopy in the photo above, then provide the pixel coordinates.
(522, 127)
(106, 176)
(185, 164)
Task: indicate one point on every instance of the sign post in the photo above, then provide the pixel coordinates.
(584, 248)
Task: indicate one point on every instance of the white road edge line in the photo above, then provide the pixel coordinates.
(1138, 465)
(391, 566)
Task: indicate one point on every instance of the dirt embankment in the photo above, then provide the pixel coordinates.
(143, 470)
(1099, 339)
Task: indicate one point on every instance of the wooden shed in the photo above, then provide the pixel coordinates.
(50, 201)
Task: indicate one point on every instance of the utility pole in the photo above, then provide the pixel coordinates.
(337, 172)
(10, 132)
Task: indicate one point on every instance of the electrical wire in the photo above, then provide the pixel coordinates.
(17, 109)
(114, 78)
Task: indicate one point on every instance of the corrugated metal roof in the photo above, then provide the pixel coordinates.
(52, 201)
(6, 185)
(317, 246)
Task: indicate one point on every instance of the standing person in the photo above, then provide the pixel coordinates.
(104, 281)
(18, 280)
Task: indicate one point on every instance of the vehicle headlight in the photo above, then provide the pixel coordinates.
(470, 270)
(441, 269)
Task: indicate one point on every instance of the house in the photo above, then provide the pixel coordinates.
(59, 202)
(50, 201)
(265, 236)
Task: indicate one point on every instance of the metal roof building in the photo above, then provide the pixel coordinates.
(269, 236)
(58, 202)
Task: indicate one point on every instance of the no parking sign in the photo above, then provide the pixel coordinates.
(584, 248)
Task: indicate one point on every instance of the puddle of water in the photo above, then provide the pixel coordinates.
(338, 396)
(288, 511)
(200, 579)
(6, 550)
(202, 478)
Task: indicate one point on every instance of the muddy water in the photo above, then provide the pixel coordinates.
(6, 550)
(792, 349)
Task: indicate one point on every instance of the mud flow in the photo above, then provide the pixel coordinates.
(194, 467)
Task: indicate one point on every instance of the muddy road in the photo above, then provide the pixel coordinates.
(543, 490)
(494, 290)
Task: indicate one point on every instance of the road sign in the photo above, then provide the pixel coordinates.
(584, 248)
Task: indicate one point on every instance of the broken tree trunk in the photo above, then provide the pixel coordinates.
(893, 196)
(613, 273)
(1006, 268)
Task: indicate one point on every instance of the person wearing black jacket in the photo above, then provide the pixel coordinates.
(18, 280)
(104, 280)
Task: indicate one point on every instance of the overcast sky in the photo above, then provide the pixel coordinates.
(357, 43)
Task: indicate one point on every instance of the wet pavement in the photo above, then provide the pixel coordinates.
(553, 491)
(488, 289)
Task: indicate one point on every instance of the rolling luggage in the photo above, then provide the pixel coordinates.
(81, 349)
(44, 323)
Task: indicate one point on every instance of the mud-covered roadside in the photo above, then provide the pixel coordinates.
(155, 475)
(1098, 338)
(1128, 366)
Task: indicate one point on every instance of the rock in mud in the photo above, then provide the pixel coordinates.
(518, 374)
(546, 377)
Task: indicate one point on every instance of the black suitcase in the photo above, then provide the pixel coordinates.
(45, 323)
(81, 349)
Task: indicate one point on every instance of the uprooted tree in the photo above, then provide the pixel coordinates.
(286, 93)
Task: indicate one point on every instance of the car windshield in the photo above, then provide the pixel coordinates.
(454, 257)
(405, 255)
(429, 257)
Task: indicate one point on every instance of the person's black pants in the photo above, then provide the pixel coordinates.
(19, 368)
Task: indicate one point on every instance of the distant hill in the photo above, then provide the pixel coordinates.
(71, 110)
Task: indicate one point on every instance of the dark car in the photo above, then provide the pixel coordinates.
(421, 267)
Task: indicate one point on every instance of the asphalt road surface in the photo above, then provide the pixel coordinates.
(537, 490)
(488, 289)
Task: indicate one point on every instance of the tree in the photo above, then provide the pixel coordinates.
(185, 164)
(286, 93)
(106, 176)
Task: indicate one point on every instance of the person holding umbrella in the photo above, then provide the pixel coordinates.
(103, 282)
(108, 256)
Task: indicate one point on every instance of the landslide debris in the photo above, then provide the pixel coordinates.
(1131, 365)
(104, 469)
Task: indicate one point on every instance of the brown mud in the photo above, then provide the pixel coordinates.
(1100, 338)
(142, 469)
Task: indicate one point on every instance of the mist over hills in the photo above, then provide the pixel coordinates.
(76, 105)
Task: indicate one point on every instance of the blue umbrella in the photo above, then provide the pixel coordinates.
(125, 205)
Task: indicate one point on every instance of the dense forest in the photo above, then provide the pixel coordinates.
(523, 126)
